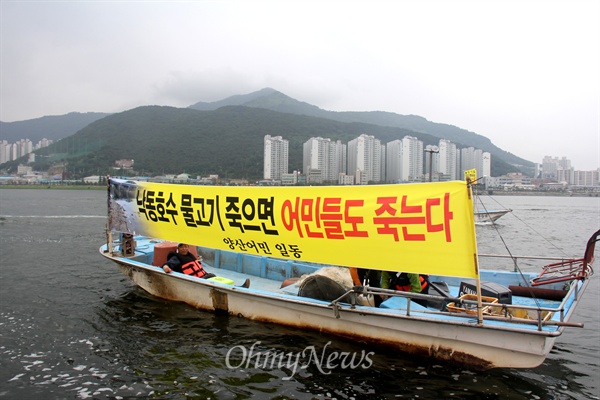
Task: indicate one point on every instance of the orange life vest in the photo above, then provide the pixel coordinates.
(403, 283)
(193, 268)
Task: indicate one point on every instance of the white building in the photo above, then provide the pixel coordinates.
(344, 179)
(275, 157)
(13, 151)
(393, 161)
(486, 164)
(92, 179)
(586, 178)
(448, 157)
(323, 160)
(474, 158)
(551, 165)
(365, 156)
(290, 179)
(4, 151)
(412, 159)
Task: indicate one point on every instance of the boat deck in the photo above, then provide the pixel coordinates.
(394, 304)
(267, 276)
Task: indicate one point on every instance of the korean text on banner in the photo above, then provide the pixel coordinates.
(420, 228)
(471, 175)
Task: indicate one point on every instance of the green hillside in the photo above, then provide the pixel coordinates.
(227, 141)
(271, 99)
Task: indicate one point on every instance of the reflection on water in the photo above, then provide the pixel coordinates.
(72, 327)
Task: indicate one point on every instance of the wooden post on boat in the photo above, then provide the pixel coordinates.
(479, 306)
(109, 237)
(109, 241)
(471, 178)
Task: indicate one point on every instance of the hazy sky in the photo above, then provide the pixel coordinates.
(524, 73)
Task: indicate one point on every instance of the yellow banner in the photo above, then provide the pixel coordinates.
(471, 174)
(421, 228)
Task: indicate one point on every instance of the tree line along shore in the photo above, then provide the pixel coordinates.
(488, 192)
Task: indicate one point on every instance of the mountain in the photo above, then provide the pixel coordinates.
(271, 99)
(223, 137)
(53, 127)
(227, 141)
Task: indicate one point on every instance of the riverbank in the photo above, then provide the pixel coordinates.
(541, 193)
(489, 192)
(55, 187)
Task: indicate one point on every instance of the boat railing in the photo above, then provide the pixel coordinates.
(495, 311)
(517, 258)
(524, 257)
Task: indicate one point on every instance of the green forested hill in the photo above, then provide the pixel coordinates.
(274, 100)
(227, 141)
(223, 137)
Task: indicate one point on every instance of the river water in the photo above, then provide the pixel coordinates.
(72, 327)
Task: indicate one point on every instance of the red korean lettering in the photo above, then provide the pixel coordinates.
(310, 213)
(448, 216)
(415, 220)
(386, 207)
(354, 221)
(290, 216)
(391, 223)
(332, 217)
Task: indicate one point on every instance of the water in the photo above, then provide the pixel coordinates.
(72, 327)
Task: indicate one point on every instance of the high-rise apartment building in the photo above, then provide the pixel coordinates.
(486, 164)
(4, 151)
(393, 161)
(412, 159)
(551, 166)
(275, 157)
(586, 178)
(12, 151)
(365, 156)
(323, 160)
(448, 156)
(475, 158)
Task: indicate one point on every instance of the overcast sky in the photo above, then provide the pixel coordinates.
(525, 73)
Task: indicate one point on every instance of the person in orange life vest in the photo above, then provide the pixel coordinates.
(406, 282)
(186, 263)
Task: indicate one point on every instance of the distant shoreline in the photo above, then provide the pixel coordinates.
(484, 193)
(544, 194)
(55, 187)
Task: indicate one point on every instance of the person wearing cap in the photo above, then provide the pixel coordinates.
(183, 261)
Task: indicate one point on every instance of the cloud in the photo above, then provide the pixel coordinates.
(522, 73)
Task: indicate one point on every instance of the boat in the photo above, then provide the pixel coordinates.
(489, 216)
(298, 244)
(483, 216)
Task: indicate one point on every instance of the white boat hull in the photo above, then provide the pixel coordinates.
(488, 217)
(462, 341)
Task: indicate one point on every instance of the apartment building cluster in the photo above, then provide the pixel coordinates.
(560, 170)
(13, 151)
(366, 160)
